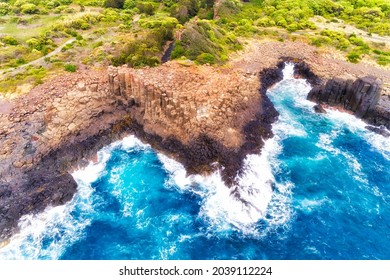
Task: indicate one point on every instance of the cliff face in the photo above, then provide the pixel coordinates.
(187, 101)
(199, 115)
(44, 135)
(362, 97)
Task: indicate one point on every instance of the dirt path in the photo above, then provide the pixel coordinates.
(39, 61)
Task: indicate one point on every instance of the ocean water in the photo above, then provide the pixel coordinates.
(320, 189)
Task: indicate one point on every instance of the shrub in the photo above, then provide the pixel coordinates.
(20, 61)
(80, 24)
(70, 67)
(9, 40)
(383, 60)
(53, 4)
(158, 21)
(353, 57)
(34, 43)
(229, 7)
(69, 10)
(4, 9)
(29, 9)
(94, 3)
(206, 58)
(129, 4)
(203, 38)
(67, 47)
(146, 8)
(59, 9)
(178, 50)
(117, 4)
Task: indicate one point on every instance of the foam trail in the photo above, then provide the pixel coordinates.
(55, 226)
(240, 207)
(375, 140)
(340, 119)
(252, 199)
(220, 207)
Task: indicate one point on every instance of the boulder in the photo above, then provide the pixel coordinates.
(319, 109)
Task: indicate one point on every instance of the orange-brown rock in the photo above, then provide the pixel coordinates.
(198, 114)
(184, 102)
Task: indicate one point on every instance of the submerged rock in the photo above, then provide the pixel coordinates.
(380, 130)
(319, 109)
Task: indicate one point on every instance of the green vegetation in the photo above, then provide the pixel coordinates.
(145, 49)
(137, 33)
(70, 67)
(205, 43)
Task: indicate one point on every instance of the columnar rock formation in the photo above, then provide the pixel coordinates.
(199, 115)
(180, 101)
(44, 135)
(362, 97)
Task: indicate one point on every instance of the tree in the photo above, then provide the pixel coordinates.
(146, 8)
(29, 9)
(116, 4)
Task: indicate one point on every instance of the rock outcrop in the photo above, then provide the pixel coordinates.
(46, 134)
(362, 97)
(200, 115)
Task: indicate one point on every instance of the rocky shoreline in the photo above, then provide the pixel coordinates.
(197, 114)
(362, 97)
(60, 125)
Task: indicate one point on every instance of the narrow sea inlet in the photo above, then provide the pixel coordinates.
(320, 189)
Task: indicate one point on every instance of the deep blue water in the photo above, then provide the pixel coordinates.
(330, 199)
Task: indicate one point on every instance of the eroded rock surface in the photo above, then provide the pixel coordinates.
(44, 135)
(199, 115)
(202, 114)
(361, 96)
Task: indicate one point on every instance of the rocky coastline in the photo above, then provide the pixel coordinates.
(60, 125)
(362, 97)
(199, 115)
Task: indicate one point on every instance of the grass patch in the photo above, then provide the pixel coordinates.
(70, 67)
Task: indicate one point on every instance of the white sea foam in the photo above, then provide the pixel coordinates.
(239, 208)
(220, 206)
(288, 71)
(242, 206)
(129, 143)
(279, 210)
(253, 199)
(48, 234)
(286, 127)
(167, 251)
(375, 140)
(55, 225)
(378, 142)
(308, 205)
(177, 173)
(342, 120)
(354, 167)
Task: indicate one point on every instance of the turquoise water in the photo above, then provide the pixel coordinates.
(319, 190)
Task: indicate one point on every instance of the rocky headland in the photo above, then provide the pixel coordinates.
(197, 114)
